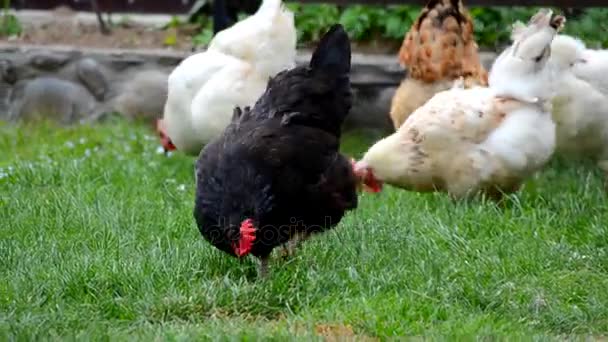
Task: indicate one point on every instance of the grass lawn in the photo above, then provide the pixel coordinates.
(97, 241)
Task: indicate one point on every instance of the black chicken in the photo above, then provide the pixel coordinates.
(276, 173)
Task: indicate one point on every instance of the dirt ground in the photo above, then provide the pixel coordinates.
(125, 37)
(89, 36)
(145, 38)
(62, 28)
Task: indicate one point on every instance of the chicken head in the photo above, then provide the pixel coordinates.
(366, 176)
(521, 72)
(567, 51)
(164, 138)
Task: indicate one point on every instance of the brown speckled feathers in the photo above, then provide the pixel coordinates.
(440, 44)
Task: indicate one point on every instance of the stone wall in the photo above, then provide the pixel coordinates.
(72, 84)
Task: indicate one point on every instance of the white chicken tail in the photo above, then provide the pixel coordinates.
(267, 39)
(276, 12)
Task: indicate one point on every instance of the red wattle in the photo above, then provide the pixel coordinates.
(247, 237)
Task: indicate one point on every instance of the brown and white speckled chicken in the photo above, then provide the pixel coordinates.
(438, 49)
(483, 139)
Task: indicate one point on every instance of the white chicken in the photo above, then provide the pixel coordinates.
(580, 105)
(465, 141)
(205, 88)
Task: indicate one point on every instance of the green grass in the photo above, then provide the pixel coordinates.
(97, 241)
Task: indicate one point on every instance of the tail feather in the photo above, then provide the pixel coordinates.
(318, 95)
(333, 52)
(331, 62)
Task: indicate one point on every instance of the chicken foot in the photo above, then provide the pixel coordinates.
(289, 248)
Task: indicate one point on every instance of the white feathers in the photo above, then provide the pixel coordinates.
(482, 139)
(580, 104)
(267, 39)
(204, 89)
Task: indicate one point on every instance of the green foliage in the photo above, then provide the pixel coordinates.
(592, 28)
(9, 24)
(204, 37)
(493, 25)
(313, 20)
(205, 34)
(396, 19)
(391, 23)
(98, 242)
(365, 22)
(175, 22)
(362, 22)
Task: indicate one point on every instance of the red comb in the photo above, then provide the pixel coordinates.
(246, 240)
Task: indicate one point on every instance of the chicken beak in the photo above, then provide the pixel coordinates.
(366, 177)
(164, 138)
(371, 184)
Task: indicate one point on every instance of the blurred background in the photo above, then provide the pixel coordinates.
(188, 24)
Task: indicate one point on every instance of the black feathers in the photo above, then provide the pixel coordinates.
(333, 52)
(278, 163)
(318, 95)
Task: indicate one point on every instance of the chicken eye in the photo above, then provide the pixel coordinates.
(540, 57)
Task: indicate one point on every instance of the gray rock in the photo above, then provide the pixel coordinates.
(143, 97)
(91, 74)
(48, 61)
(121, 63)
(85, 83)
(374, 75)
(8, 72)
(5, 95)
(371, 107)
(51, 99)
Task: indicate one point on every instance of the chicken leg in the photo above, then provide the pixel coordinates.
(263, 268)
(289, 249)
